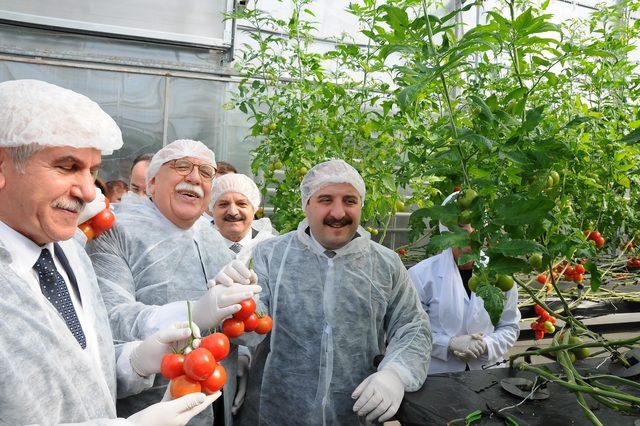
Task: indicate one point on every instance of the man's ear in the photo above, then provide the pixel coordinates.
(4, 164)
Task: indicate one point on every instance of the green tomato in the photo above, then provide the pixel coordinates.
(278, 165)
(504, 282)
(549, 182)
(473, 283)
(581, 353)
(265, 130)
(555, 176)
(549, 327)
(374, 231)
(535, 260)
(400, 207)
(466, 197)
(273, 126)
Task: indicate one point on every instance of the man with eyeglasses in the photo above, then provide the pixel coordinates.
(161, 253)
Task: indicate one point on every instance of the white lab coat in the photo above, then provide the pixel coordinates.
(453, 313)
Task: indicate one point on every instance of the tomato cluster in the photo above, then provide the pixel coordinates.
(544, 324)
(246, 319)
(633, 262)
(402, 251)
(572, 272)
(98, 224)
(595, 236)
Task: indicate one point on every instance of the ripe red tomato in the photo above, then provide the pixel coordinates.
(402, 251)
(88, 230)
(569, 270)
(535, 326)
(103, 220)
(595, 235)
(542, 278)
(247, 307)
(172, 365)
(544, 316)
(538, 309)
(182, 385)
(264, 325)
(578, 277)
(216, 381)
(251, 322)
(552, 320)
(580, 269)
(199, 364)
(233, 327)
(539, 334)
(218, 344)
(599, 242)
(456, 188)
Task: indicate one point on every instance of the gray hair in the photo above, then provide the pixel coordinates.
(20, 154)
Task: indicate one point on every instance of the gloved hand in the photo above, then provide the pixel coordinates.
(174, 413)
(243, 378)
(379, 396)
(468, 346)
(93, 208)
(219, 302)
(236, 272)
(147, 357)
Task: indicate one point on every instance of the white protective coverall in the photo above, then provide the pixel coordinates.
(144, 263)
(452, 313)
(331, 317)
(47, 377)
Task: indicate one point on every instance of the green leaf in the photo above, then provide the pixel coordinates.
(447, 215)
(493, 299)
(517, 247)
(389, 182)
(506, 265)
(631, 138)
(485, 111)
(479, 141)
(533, 118)
(517, 210)
(596, 276)
(457, 238)
(474, 416)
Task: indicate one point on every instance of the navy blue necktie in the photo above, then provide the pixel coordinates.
(55, 290)
(236, 247)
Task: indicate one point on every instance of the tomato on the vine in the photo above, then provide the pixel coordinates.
(251, 322)
(542, 278)
(504, 282)
(172, 365)
(218, 344)
(103, 221)
(215, 381)
(264, 325)
(247, 307)
(199, 364)
(233, 327)
(580, 269)
(183, 385)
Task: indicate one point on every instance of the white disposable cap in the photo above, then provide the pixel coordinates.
(235, 182)
(179, 149)
(327, 173)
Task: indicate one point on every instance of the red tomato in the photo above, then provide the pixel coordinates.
(171, 366)
(251, 323)
(580, 269)
(218, 344)
(544, 316)
(103, 220)
(578, 277)
(88, 230)
(535, 326)
(569, 270)
(182, 385)
(552, 320)
(402, 251)
(542, 278)
(247, 307)
(233, 327)
(215, 381)
(538, 309)
(456, 188)
(199, 364)
(595, 235)
(599, 242)
(539, 334)
(264, 325)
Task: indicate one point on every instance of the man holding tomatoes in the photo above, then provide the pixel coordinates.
(161, 253)
(58, 357)
(338, 302)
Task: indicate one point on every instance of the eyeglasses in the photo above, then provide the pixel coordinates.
(184, 167)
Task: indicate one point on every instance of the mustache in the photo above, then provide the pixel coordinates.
(234, 217)
(73, 204)
(330, 221)
(186, 186)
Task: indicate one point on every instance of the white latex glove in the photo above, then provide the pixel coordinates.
(379, 396)
(221, 301)
(468, 346)
(174, 413)
(236, 272)
(147, 357)
(243, 378)
(93, 208)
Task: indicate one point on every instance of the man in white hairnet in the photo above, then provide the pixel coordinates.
(161, 253)
(234, 201)
(463, 336)
(58, 359)
(338, 301)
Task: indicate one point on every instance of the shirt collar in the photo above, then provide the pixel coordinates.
(322, 249)
(243, 242)
(24, 252)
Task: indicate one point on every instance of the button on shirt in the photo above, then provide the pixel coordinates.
(24, 254)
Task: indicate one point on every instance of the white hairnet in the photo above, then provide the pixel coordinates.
(35, 112)
(444, 203)
(327, 173)
(235, 182)
(179, 149)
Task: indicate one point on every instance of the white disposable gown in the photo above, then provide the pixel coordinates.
(331, 318)
(47, 378)
(144, 263)
(453, 313)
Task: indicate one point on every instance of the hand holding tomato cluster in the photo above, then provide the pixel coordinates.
(595, 236)
(197, 369)
(99, 223)
(247, 320)
(544, 324)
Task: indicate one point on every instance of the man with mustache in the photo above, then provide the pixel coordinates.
(58, 360)
(161, 253)
(338, 302)
(234, 200)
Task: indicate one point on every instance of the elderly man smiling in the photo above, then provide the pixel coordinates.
(161, 253)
